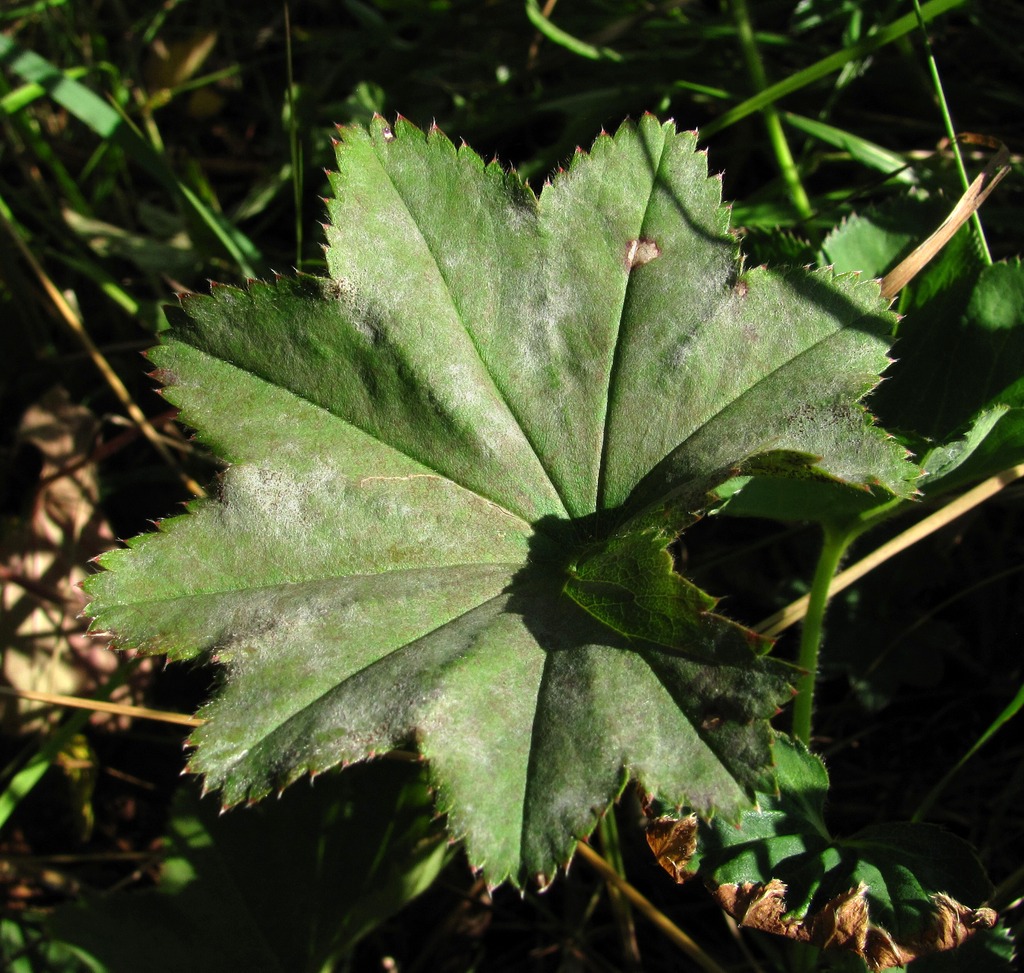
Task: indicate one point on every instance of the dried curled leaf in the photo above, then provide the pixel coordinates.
(844, 922)
(673, 843)
(890, 893)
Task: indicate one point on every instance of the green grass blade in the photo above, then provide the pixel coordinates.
(947, 120)
(828, 65)
(24, 95)
(81, 101)
(106, 122)
(30, 775)
(42, 6)
(563, 39)
(1012, 709)
(868, 154)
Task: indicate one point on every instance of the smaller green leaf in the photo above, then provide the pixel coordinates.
(889, 893)
(629, 585)
(993, 442)
(834, 505)
(872, 242)
(958, 353)
(289, 885)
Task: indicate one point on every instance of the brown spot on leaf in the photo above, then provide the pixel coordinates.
(845, 923)
(673, 843)
(641, 251)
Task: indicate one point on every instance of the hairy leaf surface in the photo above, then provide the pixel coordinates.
(455, 467)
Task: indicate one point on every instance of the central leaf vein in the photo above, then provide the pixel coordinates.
(613, 371)
(501, 393)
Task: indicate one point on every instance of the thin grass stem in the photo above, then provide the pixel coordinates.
(776, 134)
(608, 831)
(1011, 710)
(294, 146)
(643, 905)
(102, 706)
(947, 120)
(113, 380)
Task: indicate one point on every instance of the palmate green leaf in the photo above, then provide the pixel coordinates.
(455, 466)
(889, 893)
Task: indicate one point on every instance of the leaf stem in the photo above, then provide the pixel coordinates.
(832, 550)
(796, 610)
(776, 133)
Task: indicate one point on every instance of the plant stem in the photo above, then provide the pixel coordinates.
(797, 610)
(832, 550)
(776, 134)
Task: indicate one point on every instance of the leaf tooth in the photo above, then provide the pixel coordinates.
(386, 132)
